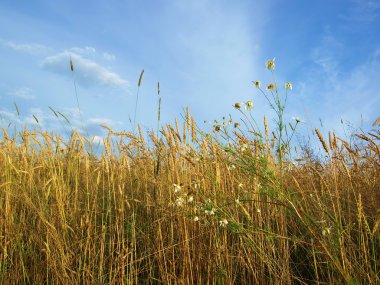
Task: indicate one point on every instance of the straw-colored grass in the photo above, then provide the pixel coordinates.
(184, 209)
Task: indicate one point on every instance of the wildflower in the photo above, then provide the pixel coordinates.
(237, 105)
(298, 120)
(190, 199)
(326, 231)
(271, 86)
(232, 167)
(210, 212)
(240, 185)
(196, 219)
(288, 85)
(223, 222)
(236, 125)
(196, 183)
(270, 64)
(258, 210)
(256, 83)
(179, 202)
(249, 105)
(217, 128)
(177, 188)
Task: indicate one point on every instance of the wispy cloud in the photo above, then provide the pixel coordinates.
(362, 11)
(348, 95)
(108, 56)
(48, 121)
(23, 93)
(88, 51)
(29, 48)
(87, 72)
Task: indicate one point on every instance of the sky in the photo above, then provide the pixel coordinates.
(204, 53)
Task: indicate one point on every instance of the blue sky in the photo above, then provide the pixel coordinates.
(204, 53)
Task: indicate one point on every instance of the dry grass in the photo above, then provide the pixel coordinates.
(184, 209)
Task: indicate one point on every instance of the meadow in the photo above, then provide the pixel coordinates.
(180, 206)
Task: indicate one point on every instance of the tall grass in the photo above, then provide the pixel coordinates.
(187, 208)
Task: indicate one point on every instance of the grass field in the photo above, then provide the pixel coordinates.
(182, 207)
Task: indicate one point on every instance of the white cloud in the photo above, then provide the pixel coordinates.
(109, 56)
(89, 51)
(30, 48)
(23, 93)
(87, 72)
(49, 122)
(7, 116)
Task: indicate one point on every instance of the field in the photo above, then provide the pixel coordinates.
(179, 206)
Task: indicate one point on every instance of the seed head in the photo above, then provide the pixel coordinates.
(256, 83)
(71, 64)
(271, 86)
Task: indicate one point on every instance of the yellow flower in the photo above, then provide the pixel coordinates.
(288, 85)
(270, 64)
(256, 83)
(271, 86)
(237, 105)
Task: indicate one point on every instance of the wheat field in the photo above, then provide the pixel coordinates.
(182, 207)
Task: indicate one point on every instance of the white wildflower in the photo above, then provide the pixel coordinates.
(270, 64)
(298, 120)
(288, 85)
(177, 188)
(179, 202)
(223, 222)
(326, 231)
